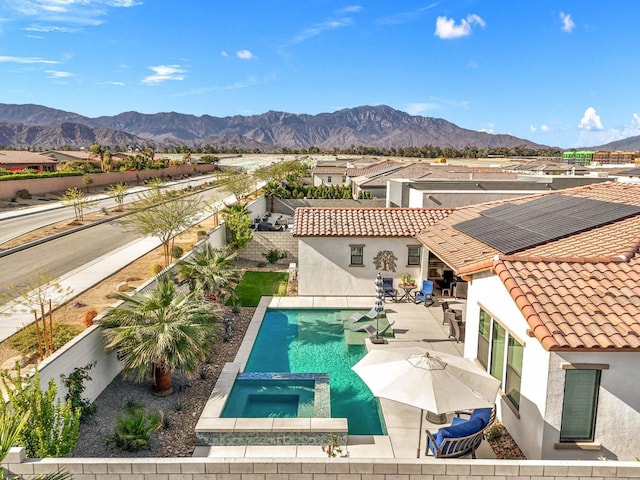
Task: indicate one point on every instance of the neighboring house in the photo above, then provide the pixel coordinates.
(340, 250)
(553, 310)
(329, 175)
(22, 159)
(70, 155)
(469, 188)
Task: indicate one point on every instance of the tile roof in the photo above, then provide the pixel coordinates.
(581, 292)
(329, 169)
(10, 157)
(365, 222)
(577, 305)
(466, 255)
(385, 165)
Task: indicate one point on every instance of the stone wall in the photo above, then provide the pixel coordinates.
(316, 468)
(262, 242)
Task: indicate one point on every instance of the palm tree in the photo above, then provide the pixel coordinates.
(210, 271)
(160, 331)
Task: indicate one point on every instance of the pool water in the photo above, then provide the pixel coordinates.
(312, 341)
(274, 399)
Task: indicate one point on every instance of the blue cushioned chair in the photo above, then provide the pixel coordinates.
(389, 291)
(462, 437)
(425, 294)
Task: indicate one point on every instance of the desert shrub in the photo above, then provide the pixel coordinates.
(75, 387)
(26, 340)
(177, 251)
(53, 427)
(89, 316)
(156, 268)
(274, 255)
(134, 428)
(23, 193)
(201, 234)
(494, 433)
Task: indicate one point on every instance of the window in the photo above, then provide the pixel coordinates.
(413, 255)
(497, 351)
(328, 178)
(513, 376)
(357, 255)
(483, 338)
(501, 354)
(580, 404)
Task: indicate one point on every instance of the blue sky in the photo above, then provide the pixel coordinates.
(561, 73)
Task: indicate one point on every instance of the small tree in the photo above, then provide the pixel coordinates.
(164, 220)
(87, 181)
(76, 198)
(40, 295)
(238, 184)
(118, 191)
(237, 222)
(53, 426)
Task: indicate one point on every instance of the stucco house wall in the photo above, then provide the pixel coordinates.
(527, 425)
(537, 429)
(323, 264)
(618, 409)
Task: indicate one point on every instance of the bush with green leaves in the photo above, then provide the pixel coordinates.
(274, 255)
(177, 251)
(75, 387)
(53, 427)
(134, 428)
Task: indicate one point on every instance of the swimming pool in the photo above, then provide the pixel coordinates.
(313, 341)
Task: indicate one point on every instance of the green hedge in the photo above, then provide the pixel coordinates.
(30, 176)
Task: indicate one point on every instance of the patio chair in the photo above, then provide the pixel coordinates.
(456, 326)
(356, 317)
(425, 294)
(389, 291)
(370, 329)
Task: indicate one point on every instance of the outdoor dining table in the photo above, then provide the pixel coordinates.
(408, 295)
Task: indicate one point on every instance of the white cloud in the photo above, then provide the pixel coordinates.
(486, 130)
(473, 64)
(590, 121)
(635, 121)
(351, 9)
(162, 73)
(545, 128)
(567, 22)
(78, 12)
(51, 28)
(420, 107)
(404, 17)
(224, 53)
(115, 84)
(28, 60)
(58, 74)
(533, 128)
(446, 28)
(244, 55)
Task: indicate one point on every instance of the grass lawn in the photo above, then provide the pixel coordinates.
(254, 285)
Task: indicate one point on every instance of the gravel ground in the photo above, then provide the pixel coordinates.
(181, 409)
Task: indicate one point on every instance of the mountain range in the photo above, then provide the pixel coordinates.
(38, 126)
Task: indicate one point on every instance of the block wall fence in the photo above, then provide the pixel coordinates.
(316, 469)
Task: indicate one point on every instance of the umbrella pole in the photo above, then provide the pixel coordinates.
(420, 433)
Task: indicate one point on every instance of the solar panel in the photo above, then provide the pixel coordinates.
(512, 227)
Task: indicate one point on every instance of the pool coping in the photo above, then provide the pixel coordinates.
(211, 429)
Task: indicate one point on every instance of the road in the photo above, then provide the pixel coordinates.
(13, 227)
(60, 256)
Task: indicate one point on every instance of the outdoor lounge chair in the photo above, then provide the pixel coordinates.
(424, 295)
(356, 317)
(389, 291)
(370, 329)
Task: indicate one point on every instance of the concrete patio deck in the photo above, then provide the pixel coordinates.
(414, 325)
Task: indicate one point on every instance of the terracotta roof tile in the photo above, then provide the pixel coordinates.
(365, 222)
(596, 314)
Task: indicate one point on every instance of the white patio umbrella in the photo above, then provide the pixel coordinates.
(429, 380)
